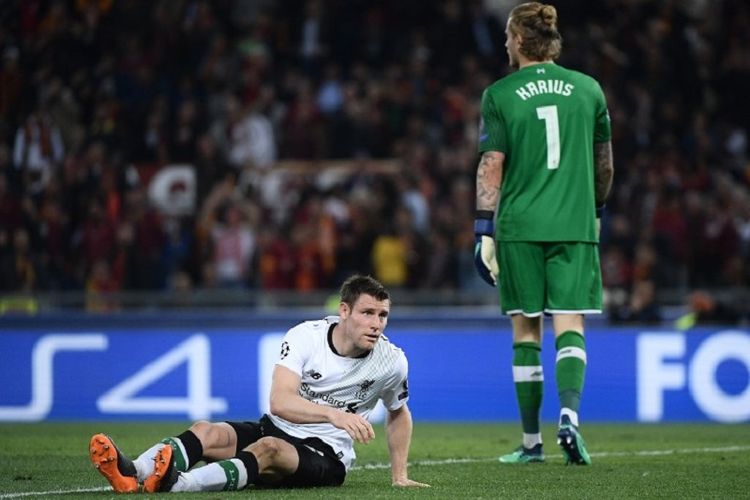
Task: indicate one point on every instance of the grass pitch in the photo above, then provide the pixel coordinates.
(49, 460)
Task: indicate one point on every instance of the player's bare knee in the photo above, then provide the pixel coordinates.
(562, 323)
(266, 448)
(211, 435)
(201, 429)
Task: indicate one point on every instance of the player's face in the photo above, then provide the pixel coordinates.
(365, 321)
(511, 46)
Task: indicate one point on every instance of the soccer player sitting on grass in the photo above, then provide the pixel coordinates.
(329, 376)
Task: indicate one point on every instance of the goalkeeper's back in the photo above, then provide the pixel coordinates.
(546, 119)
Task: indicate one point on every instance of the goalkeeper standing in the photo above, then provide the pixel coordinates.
(546, 167)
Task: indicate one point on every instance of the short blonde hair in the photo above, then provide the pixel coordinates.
(536, 23)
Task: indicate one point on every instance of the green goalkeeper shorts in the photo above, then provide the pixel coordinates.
(549, 277)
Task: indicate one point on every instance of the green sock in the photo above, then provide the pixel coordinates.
(570, 370)
(179, 454)
(529, 381)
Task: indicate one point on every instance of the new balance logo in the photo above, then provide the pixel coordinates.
(313, 374)
(284, 350)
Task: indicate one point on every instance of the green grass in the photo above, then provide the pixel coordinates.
(458, 460)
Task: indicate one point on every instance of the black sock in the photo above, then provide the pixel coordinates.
(251, 465)
(193, 447)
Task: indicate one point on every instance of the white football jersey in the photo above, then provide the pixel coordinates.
(348, 384)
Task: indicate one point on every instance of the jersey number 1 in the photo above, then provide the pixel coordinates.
(552, 125)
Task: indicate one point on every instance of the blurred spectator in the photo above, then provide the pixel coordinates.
(210, 165)
(331, 92)
(303, 136)
(252, 142)
(54, 237)
(11, 84)
(314, 29)
(314, 240)
(38, 150)
(229, 224)
(389, 255)
(97, 236)
(710, 309)
(149, 240)
(276, 261)
(185, 132)
(641, 306)
(11, 211)
(415, 202)
(670, 235)
(100, 288)
(487, 34)
(20, 271)
(719, 242)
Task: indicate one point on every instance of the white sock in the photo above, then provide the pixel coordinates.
(185, 482)
(531, 440)
(144, 464)
(225, 474)
(572, 415)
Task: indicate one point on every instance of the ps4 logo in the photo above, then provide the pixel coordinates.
(126, 396)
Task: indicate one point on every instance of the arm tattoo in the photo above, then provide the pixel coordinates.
(603, 171)
(489, 178)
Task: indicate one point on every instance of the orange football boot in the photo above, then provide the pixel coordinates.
(113, 465)
(165, 473)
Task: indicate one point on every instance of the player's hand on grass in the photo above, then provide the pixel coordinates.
(408, 483)
(356, 426)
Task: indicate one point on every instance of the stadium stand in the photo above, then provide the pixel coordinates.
(297, 141)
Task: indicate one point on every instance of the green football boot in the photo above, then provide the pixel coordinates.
(572, 444)
(524, 455)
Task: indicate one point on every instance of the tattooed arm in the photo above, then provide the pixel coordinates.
(603, 171)
(489, 178)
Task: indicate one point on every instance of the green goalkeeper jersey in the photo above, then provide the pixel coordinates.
(546, 119)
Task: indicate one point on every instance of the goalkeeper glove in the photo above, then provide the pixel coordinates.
(485, 259)
(599, 213)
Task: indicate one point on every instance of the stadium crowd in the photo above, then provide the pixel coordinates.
(97, 95)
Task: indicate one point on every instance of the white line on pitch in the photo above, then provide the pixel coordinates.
(53, 492)
(447, 461)
(603, 454)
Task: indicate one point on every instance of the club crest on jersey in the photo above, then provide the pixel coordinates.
(483, 135)
(364, 388)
